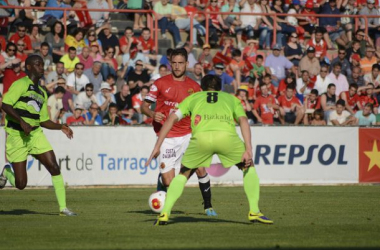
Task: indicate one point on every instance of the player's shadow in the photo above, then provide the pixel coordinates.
(208, 219)
(149, 212)
(23, 212)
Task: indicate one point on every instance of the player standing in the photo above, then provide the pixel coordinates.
(26, 107)
(213, 115)
(167, 92)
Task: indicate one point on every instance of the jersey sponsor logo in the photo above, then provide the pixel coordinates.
(34, 105)
(190, 91)
(221, 118)
(197, 119)
(162, 165)
(284, 154)
(167, 91)
(153, 88)
(173, 104)
(169, 153)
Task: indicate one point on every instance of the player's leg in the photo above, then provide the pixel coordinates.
(17, 153)
(175, 191)
(167, 160)
(205, 187)
(49, 160)
(230, 152)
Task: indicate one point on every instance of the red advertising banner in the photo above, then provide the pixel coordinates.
(369, 155)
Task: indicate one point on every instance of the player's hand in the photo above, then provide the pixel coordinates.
(158, 117)
(67, 131)
(26, 127)
(155, 153)
(247, 158)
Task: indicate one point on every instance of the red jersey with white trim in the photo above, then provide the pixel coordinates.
(313, 105)
(351, 100)
(167, 93)
(364, 99)
(286, 103)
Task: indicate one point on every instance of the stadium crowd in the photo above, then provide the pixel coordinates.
(319, 71)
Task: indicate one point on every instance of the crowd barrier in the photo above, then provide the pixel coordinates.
(152, 21)
(282, 155)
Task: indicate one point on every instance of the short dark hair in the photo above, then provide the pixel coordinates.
(169, 52)
(144, 87)
(59, 89)
(128, 28)
(72, 49)
(319, 112)
(290, 86)
(179, 52)
(304, 71)
(259, 57)
(89, 85)
(337, 64)
(341, 102)
(376, 66)
(111, 76)
(79, 64)
(211, 82)
(31, 59)
(236, 52)
(113, 105)
(163, 66)
(331, 85)
(45, 44)
(145, 29)
(314, 91)
(369, 105)
(353, 85)
(370, 83)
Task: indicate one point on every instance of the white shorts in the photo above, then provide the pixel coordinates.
(171, 153)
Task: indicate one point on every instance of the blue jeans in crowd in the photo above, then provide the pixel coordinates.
(165, 24)
(106, 70)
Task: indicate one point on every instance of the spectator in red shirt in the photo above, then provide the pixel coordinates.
(267, 80)
(319, 44)
(77, 118)
(147, 45)
(291, 110)
(11, 74)
(266, 104)
(310, 104)
(137, 100)
(368, 97)
(21, 35)
(127, 40)
(85, 58)
(351, 98)
(290, 79)
(20, 51)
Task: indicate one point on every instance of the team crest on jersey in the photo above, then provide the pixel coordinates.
(153, 88)
(190, 91)
(197, 119)
(162, 165)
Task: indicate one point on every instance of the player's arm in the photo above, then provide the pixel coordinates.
(169, 123)
(246, 132)
(145, 109)
(55, 126)
(9, 110)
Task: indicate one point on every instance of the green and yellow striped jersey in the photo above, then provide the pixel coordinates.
(28, 101)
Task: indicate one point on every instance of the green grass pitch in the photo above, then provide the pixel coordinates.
(119, 218)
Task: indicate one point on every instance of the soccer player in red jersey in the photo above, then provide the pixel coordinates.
(167, 92)
(291, 110)
(351, 98)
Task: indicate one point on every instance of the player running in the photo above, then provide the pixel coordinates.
(213, 115)
(167, 92)
(26, 107)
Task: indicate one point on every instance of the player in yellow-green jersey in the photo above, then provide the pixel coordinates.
(213, 115)
(25, 105)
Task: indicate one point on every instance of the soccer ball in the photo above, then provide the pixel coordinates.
(157, 201)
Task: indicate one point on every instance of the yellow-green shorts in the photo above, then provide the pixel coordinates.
(19, 146)
(228, 146)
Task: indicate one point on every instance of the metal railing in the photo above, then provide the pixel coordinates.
(152, 18)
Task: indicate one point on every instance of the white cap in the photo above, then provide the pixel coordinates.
(105, 85)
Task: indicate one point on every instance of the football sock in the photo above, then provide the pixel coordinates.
(8, 173)
(160, 184)
(205, 187)
(252, 188)
(60, 192)
(174, 192)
